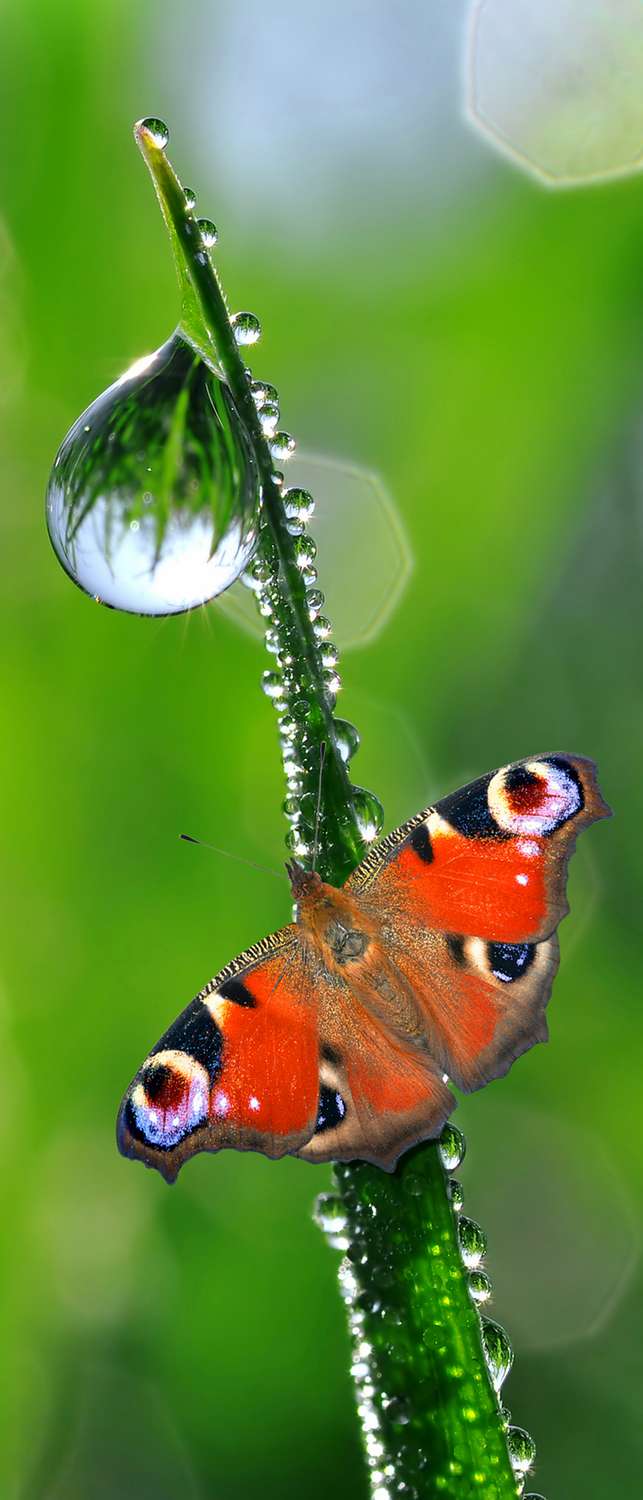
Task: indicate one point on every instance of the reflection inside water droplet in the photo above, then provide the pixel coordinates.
(158, 130)
(153, 499)
(246, 327)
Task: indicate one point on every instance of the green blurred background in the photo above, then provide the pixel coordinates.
(433, 315)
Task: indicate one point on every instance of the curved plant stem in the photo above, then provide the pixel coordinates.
(427, 1371)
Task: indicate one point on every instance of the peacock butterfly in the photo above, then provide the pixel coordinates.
(334, 1037)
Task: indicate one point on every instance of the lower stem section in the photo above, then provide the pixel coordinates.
(427, 1369)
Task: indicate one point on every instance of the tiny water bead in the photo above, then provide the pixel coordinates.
(347, 737)
(329, 655)
(282, 446)
(246, 328)
(322, 628)
(305, 551)
(498, 1352)
(209, 233)
(473, 1242)
(157, 129)
(269, 417)
(153, 500)
(273, 685)
(456, 1194)
(298, 504)
(522, 1450)
(190, 199)
(369, 813)
(332, 681)
(452, 1147)
(479, 1287)
(262, 392)
(329, 1213)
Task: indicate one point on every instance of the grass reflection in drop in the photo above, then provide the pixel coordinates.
(152, 504)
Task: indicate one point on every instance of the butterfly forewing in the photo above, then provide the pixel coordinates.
(469, 895)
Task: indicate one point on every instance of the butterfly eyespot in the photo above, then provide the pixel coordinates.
(168, 1100)
(331, 1110)
(535, 798)
(510, 961)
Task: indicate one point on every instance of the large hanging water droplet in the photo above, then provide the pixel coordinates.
(153, 500)
(498, 1352)
(246, 327)
(158, 131)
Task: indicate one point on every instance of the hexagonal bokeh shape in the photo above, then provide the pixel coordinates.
(562, 1222)
(363, 554)
(558, 85)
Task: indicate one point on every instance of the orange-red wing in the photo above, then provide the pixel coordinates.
(378, 1097)
(489, 861)
(468, 896)
(240, 1066)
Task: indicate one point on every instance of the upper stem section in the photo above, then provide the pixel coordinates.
(206, 323)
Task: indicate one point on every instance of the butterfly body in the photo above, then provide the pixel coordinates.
(333, 1038)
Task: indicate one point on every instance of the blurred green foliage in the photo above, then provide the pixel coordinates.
(485, 355)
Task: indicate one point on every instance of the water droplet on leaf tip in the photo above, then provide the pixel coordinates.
(246, 327)
(190, 199)
(157, 129)
(282, 446)
(209, 234)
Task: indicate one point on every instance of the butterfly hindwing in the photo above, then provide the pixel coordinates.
(240, 1066)
(469, 895)
(378, 1097)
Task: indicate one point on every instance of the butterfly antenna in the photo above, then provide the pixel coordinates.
(322, 758)
(265, 869)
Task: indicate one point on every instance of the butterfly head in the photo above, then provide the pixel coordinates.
(305, 884)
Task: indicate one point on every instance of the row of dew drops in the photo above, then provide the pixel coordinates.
(288, 685)
(331, 1216)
